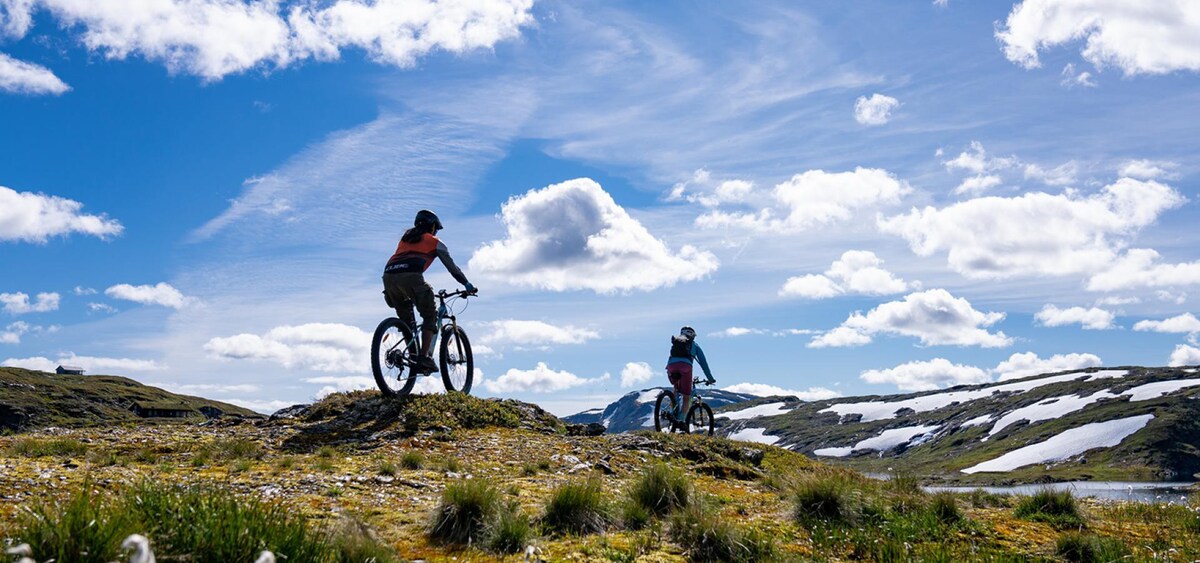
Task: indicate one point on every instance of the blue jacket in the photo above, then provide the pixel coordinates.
(698, 354)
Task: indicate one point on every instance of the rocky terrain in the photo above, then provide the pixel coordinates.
(1128, 423)
(377, 480)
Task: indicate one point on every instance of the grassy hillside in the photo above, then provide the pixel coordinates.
(34, 399)
(452, 477)
(1168, 447)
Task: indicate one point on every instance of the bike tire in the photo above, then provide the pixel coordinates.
(456, 360)
(662, 417)
(700, 416)
(392, 334)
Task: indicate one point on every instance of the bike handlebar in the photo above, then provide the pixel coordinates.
(460, 293)
(698, 381)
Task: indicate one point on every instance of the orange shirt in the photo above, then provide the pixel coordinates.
(413, 257)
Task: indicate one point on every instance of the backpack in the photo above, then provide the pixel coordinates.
(681, 347)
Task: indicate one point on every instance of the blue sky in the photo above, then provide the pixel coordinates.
(842, 198)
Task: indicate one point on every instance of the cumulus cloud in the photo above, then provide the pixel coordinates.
(1137, 37)
(101, 308)
(206, 388)
(89, 363)
(19, 304)
(1186, 323)
(1184, 355)
(1061, 175)
(976, 160)
(540, 379)
(876, 110)
(328, 347)
(813, 199)
(80, 290)
(702, 188)
(976, 185)
(636, 373)
(924, 376)
(1035, 233)
(20, 77)
(1144, 169)
(12, 333)
(535, 333)
(30, 217)
(934, 316)
(573, 235)
(1028, 363)
(161, 293)
(764, 390)
(215, 38)
(1072, 78)
(735, 331)
(856, 272)
(1140, 267)
(1093, 318)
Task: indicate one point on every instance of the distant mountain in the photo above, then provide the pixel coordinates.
(34, 399)
(635, 410)
(1128, 423)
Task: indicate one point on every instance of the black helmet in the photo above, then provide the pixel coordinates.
(428, 218)
(688, 332)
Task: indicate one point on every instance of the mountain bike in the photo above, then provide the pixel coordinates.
(699, 415)
(395, 346)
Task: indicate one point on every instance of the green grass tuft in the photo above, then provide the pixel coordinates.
(828, 499)
(577, 508)
(56, 447)
(412, 460)
(511, 531)
(705, 536)
(467, 510)
(84, 529)
(1053, 507)
(1077, 547)
(661, 489)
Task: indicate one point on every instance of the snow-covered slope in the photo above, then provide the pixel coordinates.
(1134, 422)
(635, 410)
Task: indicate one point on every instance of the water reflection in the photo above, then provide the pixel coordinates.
(1168, 492)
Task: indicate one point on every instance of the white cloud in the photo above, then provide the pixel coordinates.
(735, 331)
(18, 303)
(1176, 298)
(703, 189)
(1139, 267)
(975, 185)
(1137, 37)
(264, 407)
(875, 110)
(204, 388)
(1071, 78)
(1028, 363)
(1184, 355)
(1115, 301)
(857, 271)
(812, 199)
(934, 316)
(20, 77)
(337, 384)
(161, 293)
(1149, 169)
(764, 390)
(535, 333)
(1035, 233)
(540, 379)
(977, 161)
(89, 363)
(1061, 175)
(636, 373)
(101, 308)
(326, 347)
(12, 333)
(30, 217)
(573, 235)
(80, 290)
(1093, 318)
(924, 376)
(1186, 323)
(214, 38)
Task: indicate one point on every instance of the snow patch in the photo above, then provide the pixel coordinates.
(648, 396)
(754, 435)
(886, 440)
(1047, 409)
(977, 421)
(1069, 443)
(769, 409)
(1158, 389)
(879, 410)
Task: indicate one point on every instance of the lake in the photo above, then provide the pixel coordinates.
(1169, 492)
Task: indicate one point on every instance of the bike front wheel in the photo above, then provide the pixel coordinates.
(392, 349)
(456, 360)
(700, 419)
(664, 408)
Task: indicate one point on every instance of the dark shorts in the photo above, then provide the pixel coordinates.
(405, 290)
(680, 374)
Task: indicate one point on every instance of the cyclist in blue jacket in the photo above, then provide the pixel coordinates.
(679, 368)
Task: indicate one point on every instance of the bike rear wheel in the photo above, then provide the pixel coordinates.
(456, 360)
(392, 349)
(700, 419)
(664, 407)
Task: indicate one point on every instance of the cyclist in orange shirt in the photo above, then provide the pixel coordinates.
(404, 280)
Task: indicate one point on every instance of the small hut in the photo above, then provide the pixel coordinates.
(69, 370)
(161, 409)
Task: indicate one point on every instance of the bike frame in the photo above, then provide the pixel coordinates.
(443, 313)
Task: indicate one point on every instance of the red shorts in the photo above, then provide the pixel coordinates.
(680, 375)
